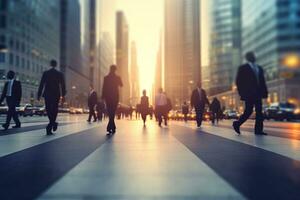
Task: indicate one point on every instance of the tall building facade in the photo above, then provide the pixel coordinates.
(29, 39)
(134, 76)
(225, 44)
(272, 30)
(122, 47)
(181, 49)
(70, 51)
(105, 56)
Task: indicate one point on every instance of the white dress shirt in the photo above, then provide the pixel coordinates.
(200, 93)
(9, 88)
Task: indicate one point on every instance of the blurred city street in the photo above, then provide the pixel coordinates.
(175, 162)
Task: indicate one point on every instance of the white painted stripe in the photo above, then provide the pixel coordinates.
(20, 141)
(142, 164)
(283, 146)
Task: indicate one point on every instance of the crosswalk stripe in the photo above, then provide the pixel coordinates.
(142, 164)
(17, 142)
(283, 146)
(255, 172)
(26, 174)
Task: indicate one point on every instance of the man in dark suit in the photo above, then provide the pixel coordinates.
(52, 88)
(110, 93)
(252, 88)
(12, 91)
(198, 101)
(92, 101)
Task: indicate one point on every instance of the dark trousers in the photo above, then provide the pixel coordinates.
(249, 105)
(92, 113)
(100, 115)
(52, 109)
(11, 113)
(215, 117)
(162, 114)
(199, 115)
(111, 112)
(144, 117)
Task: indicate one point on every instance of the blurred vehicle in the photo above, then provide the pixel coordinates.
(297, 113)
(25, 110)
(40, 111)
(63, 110)
(3, 109)
(281, 111)
(231, 114)
(86, 111)
(76, 110)
(207, 116)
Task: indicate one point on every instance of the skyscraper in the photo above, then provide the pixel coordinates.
(70, 50)
(122, 55)
(134, 76)
(182, 48)
(225, 44)
(29, 39)
(271, 29)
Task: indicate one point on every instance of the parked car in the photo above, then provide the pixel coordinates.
(40, 110)
(25, 110)
(76, 110)
(231, 114)
(281, 111)
(63, 110)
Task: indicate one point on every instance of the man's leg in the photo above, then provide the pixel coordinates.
(199, 113)
(49, 115)
(247, 112)
(259, 117)
(90, 114)
(10, 113)
(15, 116)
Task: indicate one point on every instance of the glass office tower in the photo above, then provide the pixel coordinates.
(272, 29)
(29, 38)
(225, 44)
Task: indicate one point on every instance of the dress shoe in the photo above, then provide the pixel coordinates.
(54, 127)
(5, 126)
(261, 133)
(49, 133)
(17, 126)
(236, 127)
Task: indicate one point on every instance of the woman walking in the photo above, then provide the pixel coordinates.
(144, 106)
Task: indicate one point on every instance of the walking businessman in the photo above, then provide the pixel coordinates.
(12, 92)
(110, 94)
(52, 88)
(252, 88)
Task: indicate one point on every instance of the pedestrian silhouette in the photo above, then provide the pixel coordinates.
(198, 101)
(215, 108)
(252, 88)
(110, 94)
(144, 106)
(161, 107)
(185, 111)
(100, 110)
(52, 87)
(92, 101)
(12, 92)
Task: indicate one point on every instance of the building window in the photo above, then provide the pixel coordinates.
(2, 39)
(17, 61)
(2, 21)
(3, 4)
(11, 59)
(2, 57)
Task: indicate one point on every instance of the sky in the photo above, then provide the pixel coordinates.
(145, 19)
